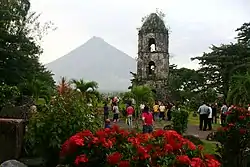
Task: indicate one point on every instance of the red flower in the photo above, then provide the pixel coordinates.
(197, 162)
(81, 159)
(184, 160)
(242, 117)
(114, 158)
(168, 148)
(242, 131)
(200, 147)
(213, 163)
(124, 164)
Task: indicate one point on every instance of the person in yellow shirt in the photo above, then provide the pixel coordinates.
(156, 111)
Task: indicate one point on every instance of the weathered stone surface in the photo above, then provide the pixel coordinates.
(12, 163)
(33, 162)
(11, 138)
(153, 34)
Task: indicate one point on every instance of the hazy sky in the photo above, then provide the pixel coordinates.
(194, 24)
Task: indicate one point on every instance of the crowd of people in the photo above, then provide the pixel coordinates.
(159, 111)
(209, 113)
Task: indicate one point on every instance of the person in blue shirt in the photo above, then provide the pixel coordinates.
(107, 124)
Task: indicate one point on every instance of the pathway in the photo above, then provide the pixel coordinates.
(192, 129)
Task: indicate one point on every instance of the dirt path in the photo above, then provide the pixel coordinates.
(192, 129)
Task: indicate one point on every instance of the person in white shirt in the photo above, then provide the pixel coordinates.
(248, 107)
(162, 109)
(210, 117)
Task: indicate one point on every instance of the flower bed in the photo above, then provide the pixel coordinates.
(118, 147)
(234, 138)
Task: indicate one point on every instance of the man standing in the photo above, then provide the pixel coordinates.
(223, 116)
(210, 117)
(203, 112)
(214, 113)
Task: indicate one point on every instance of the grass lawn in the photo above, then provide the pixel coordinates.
(209, 147)
(195, 121)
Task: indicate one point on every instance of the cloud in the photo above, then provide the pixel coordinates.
(194, 24)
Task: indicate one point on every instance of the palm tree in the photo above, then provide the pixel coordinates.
(239, 92)
(88, 89)
(142, 95)
(36, 89)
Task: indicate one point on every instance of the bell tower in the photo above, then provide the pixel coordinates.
(153, 55)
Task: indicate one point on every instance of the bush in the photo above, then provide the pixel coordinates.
(180, 121)
(121, 148)
(8, 95)
(63, 117)
(234, 138)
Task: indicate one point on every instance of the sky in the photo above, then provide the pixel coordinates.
(194, 24)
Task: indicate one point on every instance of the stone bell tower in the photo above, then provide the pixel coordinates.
(153, 56)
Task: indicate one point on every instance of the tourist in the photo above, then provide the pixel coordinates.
(107, 124)
(169, 113)
(203, 112)
(223, 116)
(162, 109)
(142, 107)
(130, 111)
(116, 112)
(147, 119)
(210, 117)
(106, 111)
(214, 113)
(156, 111)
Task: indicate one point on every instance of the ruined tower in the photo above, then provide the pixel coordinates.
(153, 56)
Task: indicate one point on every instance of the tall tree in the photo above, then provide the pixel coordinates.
(219, 65)
(20, 33)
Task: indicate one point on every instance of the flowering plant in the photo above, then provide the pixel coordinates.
(120, 148)
(234, 138)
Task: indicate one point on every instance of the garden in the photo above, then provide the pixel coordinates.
(63, 124)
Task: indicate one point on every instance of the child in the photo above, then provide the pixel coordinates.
(107, 124)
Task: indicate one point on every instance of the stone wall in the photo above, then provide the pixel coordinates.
(11, 138)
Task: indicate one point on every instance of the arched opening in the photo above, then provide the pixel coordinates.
(151, 68)
(151, 45)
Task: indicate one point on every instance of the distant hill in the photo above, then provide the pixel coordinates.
(98, 61)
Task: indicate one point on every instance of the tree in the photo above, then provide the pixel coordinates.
(20, 33)
(219, 65)
(88, 89)
(184, 83)
(142, 95)
(239, 92)
(134, 80)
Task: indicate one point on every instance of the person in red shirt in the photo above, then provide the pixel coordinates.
(130, 111)
(148, 121)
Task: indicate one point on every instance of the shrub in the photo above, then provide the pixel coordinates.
(234, 138)
(180, 121)
(8, 95)
(63, 117)
(121, 148)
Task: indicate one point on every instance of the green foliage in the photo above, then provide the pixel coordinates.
(239, 92)
(234, 138)
(180, 121)
(142, 95)
(7, 95)
(63, 117)
(88, 89)
(219, 65)
(20, 34)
